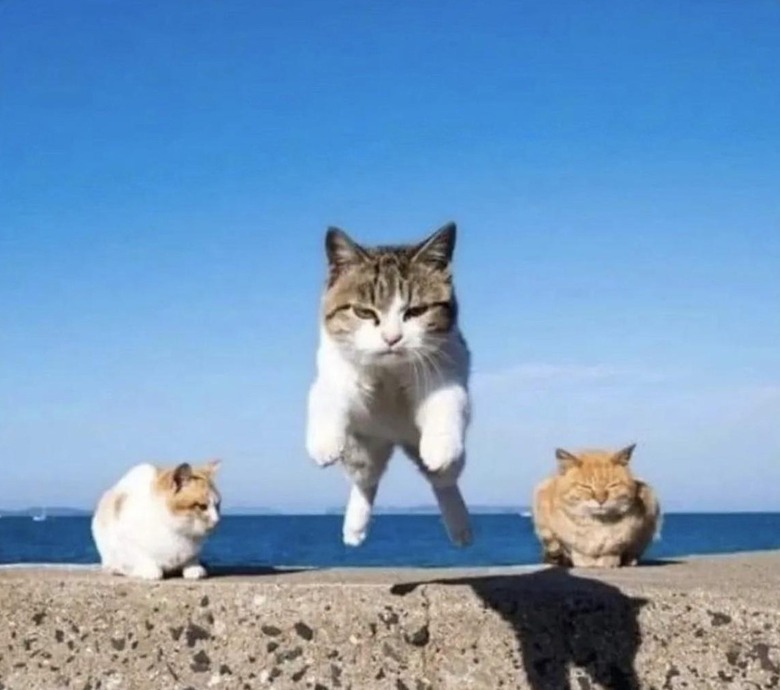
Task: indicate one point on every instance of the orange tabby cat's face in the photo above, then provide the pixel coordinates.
(597, 483)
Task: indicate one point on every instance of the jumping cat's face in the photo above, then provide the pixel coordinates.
(389, 304)
(597, 483)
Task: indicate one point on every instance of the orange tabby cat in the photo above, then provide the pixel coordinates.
(594, 513)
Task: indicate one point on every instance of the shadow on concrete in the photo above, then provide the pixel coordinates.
(252, 570)
(561, 621)
(659, 561)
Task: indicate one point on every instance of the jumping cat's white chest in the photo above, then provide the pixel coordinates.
(385, 408)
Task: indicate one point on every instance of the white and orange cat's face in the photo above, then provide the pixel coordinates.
(597, 483)
(389, 304)
(191, 497)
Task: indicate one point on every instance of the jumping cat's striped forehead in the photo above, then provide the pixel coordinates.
(390, 300)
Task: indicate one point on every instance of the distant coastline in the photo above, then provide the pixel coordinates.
(53, 511)
(64, 511)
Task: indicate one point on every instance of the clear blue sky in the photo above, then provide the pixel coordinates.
(167, 171)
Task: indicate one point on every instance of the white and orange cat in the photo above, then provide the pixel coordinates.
(154, 521)
(392, 371)
(594, 512)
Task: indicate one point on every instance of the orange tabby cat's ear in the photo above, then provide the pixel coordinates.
(566, 460)
(623, 457)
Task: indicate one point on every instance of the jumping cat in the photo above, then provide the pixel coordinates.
(154, 521)
(392, 370)
(594, 513)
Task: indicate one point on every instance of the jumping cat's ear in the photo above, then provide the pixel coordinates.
(623, 456)
(566, 460)
(341, 249)
(437, 249)
(181, 475)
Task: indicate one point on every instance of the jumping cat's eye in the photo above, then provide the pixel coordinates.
(414, 312)
(202, 506)
(363, 313)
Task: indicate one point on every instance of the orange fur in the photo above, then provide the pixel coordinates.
(119, 501)
(154, 521)
(109, 507)
(594, 512)
(187, 489)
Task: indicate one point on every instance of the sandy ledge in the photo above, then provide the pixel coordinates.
(697, 623)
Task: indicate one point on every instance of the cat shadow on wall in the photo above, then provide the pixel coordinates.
(561, 621)
(251, 570)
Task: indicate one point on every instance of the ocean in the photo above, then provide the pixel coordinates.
(395, 540)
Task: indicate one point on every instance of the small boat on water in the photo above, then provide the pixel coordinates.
(40, 517)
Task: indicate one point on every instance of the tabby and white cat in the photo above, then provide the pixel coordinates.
(154, 521)
(392, 370)
(594, 512)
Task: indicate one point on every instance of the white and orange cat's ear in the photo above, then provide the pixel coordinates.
(181, 475)
(438, 248)
(623, 456)
(566, 460)
(341, 249)
(211, 467)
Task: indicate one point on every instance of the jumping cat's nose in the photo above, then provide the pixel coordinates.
(391, 338)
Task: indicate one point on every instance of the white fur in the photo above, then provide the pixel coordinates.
(370, 396)
(147, 540)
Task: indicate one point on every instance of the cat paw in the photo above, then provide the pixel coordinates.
(608, 562)
(439, 451)
(354, 537)
(148, 571)
(325, 446)
(355, 534)
(582, 561)
(111, 569)
(194, 572)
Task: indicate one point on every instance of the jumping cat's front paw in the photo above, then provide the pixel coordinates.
(438, 451)
(325, 445)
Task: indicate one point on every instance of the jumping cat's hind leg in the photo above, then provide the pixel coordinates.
(365, 461)
(453, 508)
(454, 513)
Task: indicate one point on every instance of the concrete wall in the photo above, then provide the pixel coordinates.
(705, 623)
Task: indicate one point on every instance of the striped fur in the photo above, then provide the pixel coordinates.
(594, 512)
(392, 371)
